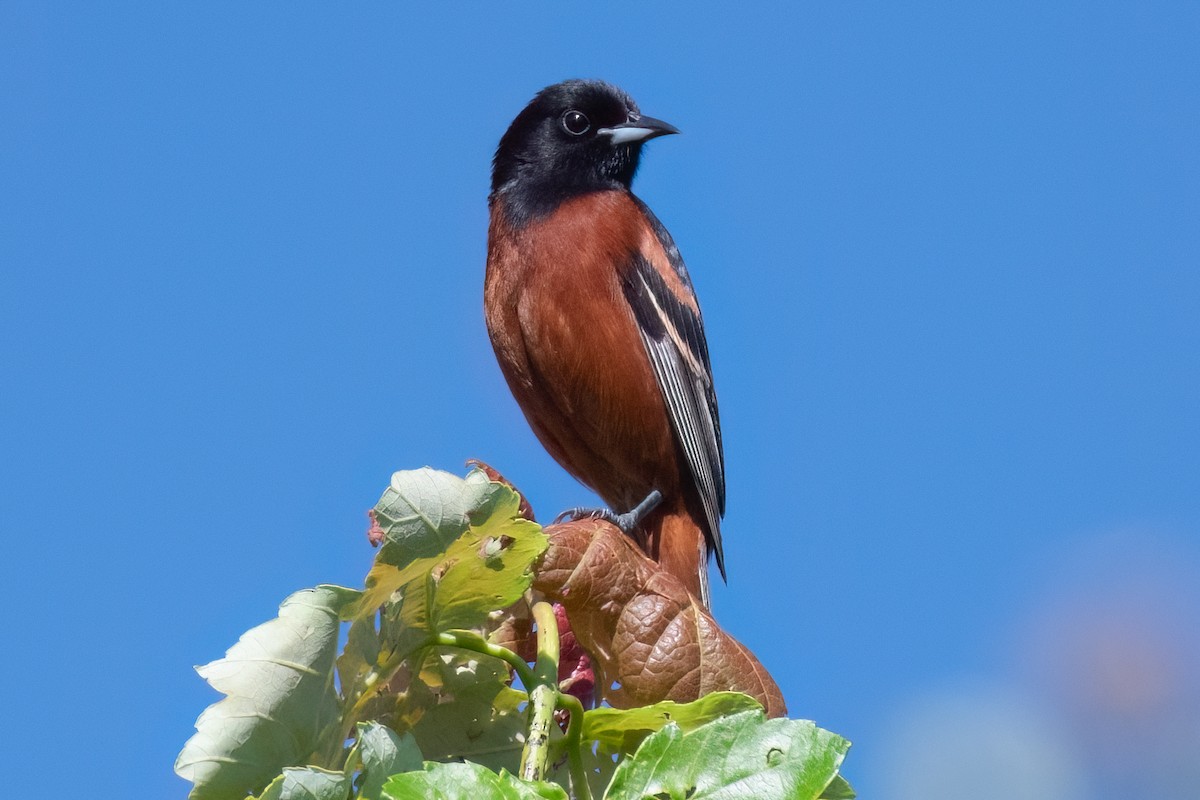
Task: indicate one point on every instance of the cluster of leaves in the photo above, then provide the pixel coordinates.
(425, 701)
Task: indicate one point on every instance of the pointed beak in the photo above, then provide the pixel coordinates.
(638, 130)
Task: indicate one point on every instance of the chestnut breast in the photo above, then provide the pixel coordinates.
(569, 346)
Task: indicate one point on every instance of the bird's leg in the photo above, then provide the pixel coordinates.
(626, 522)
(632, 518)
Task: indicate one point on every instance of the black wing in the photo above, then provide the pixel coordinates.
(674, 337)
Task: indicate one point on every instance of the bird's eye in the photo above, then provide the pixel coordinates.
(576, 123)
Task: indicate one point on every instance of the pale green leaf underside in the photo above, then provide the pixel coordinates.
(278, 682)
(307, 783)
(384, 753)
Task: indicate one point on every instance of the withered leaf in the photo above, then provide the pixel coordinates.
(646, 632)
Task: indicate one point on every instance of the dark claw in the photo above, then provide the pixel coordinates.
(626, 522)
(580, 512)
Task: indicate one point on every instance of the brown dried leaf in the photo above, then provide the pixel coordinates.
(646, 632)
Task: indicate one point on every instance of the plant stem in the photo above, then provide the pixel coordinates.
(469, 640)
(574, 743)
(535, 756)
(543, 695)
(547, 643)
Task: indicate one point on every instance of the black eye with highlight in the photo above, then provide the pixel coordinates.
(576, 123)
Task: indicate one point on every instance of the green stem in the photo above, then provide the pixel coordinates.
(469, 640)
(543, 695)
(535, 757)
(546, 665)
(574, 743)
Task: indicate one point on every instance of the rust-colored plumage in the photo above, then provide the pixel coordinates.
(595, 324)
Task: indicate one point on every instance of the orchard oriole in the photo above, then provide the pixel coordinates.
(596, 327)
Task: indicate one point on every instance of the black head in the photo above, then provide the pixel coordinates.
(573, 137)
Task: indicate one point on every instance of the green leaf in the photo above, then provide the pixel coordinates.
(623, 729)
(383, 754)
(465, 709)
(839, 789)
(421, 513)
(278, 682)
(456, 551)
(307, 783)
(743, 756)
(466, 782)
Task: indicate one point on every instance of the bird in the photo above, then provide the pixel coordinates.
(596, 327)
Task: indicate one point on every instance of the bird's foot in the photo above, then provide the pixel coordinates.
(626, 522)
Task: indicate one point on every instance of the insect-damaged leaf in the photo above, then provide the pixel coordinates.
(455, 549)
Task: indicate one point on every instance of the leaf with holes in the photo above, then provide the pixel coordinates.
(421, 514)
(456, 551)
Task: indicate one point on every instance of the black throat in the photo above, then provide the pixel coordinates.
(533, 188)
(527, 201)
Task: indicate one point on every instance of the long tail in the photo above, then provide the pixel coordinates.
(677, 543)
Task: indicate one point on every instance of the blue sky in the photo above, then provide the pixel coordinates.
(948, 260)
